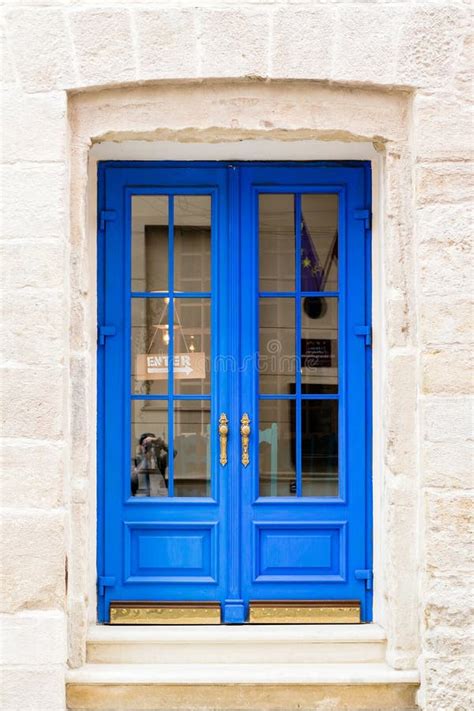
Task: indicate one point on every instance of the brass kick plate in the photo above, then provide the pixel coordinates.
(310, 612)
(165, 613)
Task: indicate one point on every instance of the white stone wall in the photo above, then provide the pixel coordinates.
(394, 74)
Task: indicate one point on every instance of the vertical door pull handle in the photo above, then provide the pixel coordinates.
(245, 433)
(223, 432)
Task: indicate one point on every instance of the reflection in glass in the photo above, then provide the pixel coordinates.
(192, 444)
(149, 448)
(149, 243)
(276, 446)
(150, 338)
(277, 345)
(319, 423)
(276, 223)
(192, 242)
(319, 244)
(319, 344)
(192, 346)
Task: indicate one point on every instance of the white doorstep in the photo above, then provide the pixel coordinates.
(236, 644)
(325, 674)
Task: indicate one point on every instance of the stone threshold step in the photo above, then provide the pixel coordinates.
(183, 674)
(243, 687)
(236, 644)
(122, 634)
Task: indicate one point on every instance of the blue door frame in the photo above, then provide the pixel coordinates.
(234, 546)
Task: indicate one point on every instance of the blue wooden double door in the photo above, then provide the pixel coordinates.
(234, 384)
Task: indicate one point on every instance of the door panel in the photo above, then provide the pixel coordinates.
(160, 490)
(236, 289)
(305, 517)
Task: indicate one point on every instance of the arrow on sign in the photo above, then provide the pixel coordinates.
(186, 369)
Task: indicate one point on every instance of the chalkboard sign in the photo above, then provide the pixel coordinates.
(316, 352)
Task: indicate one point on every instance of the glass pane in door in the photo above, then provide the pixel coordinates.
(319, 442)
(150, 336)
(149, 448)
(277, 345)
(192, 445)
(149, 243)
(319, 345)
(192, 243)
(276, 448)
(319, 242)
(276, 222)
(192, 346)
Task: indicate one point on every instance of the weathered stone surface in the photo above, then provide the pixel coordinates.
(103, 45)
(167, 43)
(401, 398)
(34, 127)
(447, 601)
(33, 327)
(400, 554)
(446, 642)
(284, 112)
(448, 183)
(8, 71)
(33, 638)
(355, 58)
(450, 224)
(291, 42)
(40, 44)
(449, 522)
(443, 127)
(430, 42)
(29, 263)
(399, 247)
(464, 80)
(448, 465)
(33, 566)
(444, 268)
(245, 697)
(224, 53)
(399, 324)
(448, 419)
(32, 474)
(447, 371)
(446, 322)
(449, 681)
(78, 566)
(79, 422)
(33, 402)
(77, 619)
(44, 213)
(33, 688)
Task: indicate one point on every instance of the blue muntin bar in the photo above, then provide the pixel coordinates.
(309, 396)
(292, 294)
(170, 345)
(170, 397)
(299, 457)
(169, 295)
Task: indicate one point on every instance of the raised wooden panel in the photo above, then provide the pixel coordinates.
(170, 552)
(305, 552)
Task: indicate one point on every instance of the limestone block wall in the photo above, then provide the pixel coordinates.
(75, 73)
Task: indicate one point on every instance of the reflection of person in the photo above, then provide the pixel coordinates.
(152, 458)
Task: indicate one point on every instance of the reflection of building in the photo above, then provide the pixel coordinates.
(255, 83)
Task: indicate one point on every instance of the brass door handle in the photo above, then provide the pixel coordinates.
(223, 432)
(245, 433)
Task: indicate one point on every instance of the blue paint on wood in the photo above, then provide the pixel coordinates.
(234, 545)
